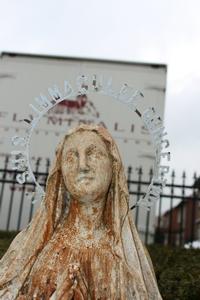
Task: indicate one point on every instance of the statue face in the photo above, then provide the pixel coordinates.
(86, 166)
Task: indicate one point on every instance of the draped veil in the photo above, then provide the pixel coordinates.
(18, 261)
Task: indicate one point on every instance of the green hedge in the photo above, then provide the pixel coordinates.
(5, 240)
(177, 270)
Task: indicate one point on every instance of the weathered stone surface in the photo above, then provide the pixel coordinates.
(82, 243)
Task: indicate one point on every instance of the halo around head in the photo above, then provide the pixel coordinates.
(84, 86)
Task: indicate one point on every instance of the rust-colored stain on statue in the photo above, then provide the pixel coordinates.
(81, 243)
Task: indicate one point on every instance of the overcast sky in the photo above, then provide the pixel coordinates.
(142, 31)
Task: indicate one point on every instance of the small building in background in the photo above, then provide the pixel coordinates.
(181, 224)
(24, 77)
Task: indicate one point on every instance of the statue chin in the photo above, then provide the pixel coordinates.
(86, 194)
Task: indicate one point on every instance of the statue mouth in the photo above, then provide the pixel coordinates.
(84, 178)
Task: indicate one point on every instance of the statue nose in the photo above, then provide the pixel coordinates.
(83, 163)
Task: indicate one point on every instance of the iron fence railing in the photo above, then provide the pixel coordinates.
(175, 219)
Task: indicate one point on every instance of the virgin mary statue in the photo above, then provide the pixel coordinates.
(81, 244)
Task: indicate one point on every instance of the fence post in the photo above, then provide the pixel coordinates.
(36, 177)
(138, 195)
(11, 200)
(158, 233)
(171, 211)
(47, 169)
(129, 178)
(21, 206)
(148, 212)
(182, 209)
(3, 179)
(192, 234)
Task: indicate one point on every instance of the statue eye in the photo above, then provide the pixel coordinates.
(72, 156)
(91, 152)
(95, 152)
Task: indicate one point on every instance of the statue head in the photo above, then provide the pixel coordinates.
(86, 166)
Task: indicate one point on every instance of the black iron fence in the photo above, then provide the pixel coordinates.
(174, 219)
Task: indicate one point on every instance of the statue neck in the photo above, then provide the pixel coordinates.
(86, 216)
